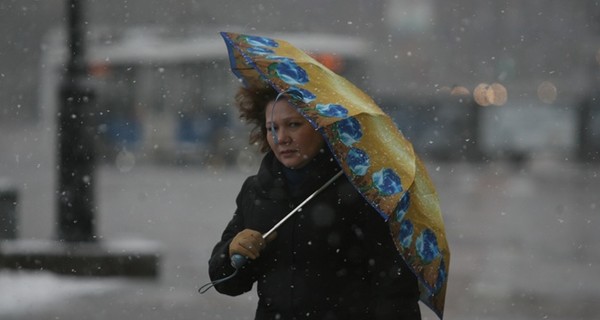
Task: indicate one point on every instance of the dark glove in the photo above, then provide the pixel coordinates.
(249, 243)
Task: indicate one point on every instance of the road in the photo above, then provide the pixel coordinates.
(523, 237)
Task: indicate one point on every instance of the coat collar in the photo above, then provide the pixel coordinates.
(273, 183)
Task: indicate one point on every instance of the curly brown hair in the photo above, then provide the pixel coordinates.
(252, 102)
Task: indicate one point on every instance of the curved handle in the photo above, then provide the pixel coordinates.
(238, 260)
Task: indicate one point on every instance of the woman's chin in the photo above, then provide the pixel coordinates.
(293, 163)
(293, 160)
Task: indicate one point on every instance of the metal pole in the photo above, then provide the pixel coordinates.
(238, 260)
(76, 177)
(298, 207)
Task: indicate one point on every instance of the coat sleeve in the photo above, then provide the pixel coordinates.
(219, 265)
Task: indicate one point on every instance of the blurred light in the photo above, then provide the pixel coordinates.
(499, 93)
(547, 92)
(459, 91)
(331, 61)
(99, 70)
(494, 94)
(483, 95)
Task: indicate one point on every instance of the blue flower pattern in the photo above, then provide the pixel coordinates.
(261, 42)
(427, 246)
(260, 50)
(358, 161)
(387, 182)
(291, 73)
(301, 94)
(402, 207)
(277, 58)
(442, 275)
(332, 110)
(348, 131)
(406, 233)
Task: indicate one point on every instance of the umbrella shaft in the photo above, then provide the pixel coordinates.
(266, 234)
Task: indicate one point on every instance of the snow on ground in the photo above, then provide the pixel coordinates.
(22, 291)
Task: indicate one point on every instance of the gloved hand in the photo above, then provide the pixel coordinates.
(249, 243)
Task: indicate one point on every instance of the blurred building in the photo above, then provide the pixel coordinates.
(426, 58)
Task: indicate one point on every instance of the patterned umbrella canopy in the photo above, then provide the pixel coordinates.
(372, 152)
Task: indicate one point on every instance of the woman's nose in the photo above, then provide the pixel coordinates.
(283, 136)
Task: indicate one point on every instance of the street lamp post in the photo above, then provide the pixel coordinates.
(76, 207)
(77, 251)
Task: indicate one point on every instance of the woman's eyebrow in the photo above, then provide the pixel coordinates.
(299, 118)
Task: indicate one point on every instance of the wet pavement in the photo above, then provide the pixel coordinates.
(524, 238)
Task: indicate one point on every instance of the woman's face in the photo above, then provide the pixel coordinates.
(298, 143)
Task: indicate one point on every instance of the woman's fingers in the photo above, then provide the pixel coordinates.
(252, 248)
(248, 243)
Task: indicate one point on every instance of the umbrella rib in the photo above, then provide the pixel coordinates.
(289, 215)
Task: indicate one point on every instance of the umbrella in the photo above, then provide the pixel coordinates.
(375, 156)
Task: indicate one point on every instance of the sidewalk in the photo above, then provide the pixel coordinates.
(523, 239)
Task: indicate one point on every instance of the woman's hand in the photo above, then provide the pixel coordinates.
(249, 243)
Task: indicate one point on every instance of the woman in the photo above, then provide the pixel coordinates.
(335, 258)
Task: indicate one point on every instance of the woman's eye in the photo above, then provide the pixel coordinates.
(295, 124)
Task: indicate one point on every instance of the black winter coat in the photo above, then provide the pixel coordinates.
(334, 259)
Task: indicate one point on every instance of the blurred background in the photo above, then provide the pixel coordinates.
(500, 98)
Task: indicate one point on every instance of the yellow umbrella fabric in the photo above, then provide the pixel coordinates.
(372, 152)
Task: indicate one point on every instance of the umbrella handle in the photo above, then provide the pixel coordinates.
(238, 260)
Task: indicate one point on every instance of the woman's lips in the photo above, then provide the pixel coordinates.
(287, 152)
